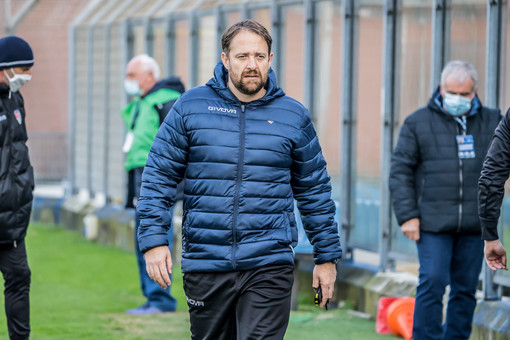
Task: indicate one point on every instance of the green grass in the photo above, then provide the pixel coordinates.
(80, 290)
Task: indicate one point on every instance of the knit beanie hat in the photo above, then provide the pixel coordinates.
(15, 52)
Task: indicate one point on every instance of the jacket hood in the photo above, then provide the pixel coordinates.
(172, 83)
(436, 104)
(220, 80)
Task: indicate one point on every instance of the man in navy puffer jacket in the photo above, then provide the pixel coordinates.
(245, 151)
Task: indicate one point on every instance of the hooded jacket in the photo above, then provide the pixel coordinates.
(243, 164)
(428, 180)
(16, 173)
(152, 109)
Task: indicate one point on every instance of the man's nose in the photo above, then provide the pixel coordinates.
(251, 63)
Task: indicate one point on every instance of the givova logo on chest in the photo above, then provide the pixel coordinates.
(221, 109)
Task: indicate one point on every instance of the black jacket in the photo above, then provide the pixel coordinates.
(428, 180)
(492, 180)
(16, 173)
(173, 83)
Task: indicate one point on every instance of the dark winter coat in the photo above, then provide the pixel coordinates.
(16, 173)
(492, 180)
(428, 180)
(242, 165)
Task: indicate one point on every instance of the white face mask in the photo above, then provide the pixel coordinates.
(17, 80)
(132, 88)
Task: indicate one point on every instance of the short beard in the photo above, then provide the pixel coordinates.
(241, 87)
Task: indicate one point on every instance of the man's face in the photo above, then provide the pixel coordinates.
(248, 65)
(453, 86)
(145, 79)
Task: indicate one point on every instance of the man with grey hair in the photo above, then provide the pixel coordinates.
(433, 180)
(152, 100)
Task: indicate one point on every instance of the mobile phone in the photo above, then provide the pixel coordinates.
(318, 298)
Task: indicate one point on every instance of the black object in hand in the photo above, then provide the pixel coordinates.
(318, 298)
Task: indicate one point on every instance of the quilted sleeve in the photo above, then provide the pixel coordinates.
(312, 190)
(164, 169)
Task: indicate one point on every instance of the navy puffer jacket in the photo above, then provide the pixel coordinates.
(242, 165)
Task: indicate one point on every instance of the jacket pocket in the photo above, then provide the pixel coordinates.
(292, 232)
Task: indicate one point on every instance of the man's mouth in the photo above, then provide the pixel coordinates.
(251, 76)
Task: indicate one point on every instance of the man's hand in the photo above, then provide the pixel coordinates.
(325, 275)
(159, 264)
(411, 229)
(495, 255)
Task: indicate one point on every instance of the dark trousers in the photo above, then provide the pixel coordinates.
(156, 296)
(252, 304)
(14, 267)
(446, 259)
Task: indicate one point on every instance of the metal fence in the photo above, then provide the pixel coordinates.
(46, 155)
(360, 67)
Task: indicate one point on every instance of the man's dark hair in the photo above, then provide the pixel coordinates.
(245, 25)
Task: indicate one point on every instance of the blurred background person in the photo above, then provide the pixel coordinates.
(152, 100)
(16, 184)
(433, 180)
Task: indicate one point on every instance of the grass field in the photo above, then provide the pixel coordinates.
(80, 290)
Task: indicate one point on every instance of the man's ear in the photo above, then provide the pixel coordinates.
(270, 59)
(224, 59)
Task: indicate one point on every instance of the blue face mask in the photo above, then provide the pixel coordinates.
(456, 105)
(132, 88)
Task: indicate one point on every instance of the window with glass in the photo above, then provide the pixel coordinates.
(208, 55)
(182, 51)
(468, 36)
(263, 16)
(139, 40)
(159, 36)
(414, 62)
(327, 87)
(368, 126)
(292, 52)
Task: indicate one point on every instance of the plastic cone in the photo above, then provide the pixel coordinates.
(400, 317)
(381, 323)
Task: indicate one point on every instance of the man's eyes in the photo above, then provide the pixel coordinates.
(260, 57)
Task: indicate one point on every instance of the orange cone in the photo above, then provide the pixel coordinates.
(400, 317)
(381, 323)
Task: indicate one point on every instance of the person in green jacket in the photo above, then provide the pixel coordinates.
(152, 99)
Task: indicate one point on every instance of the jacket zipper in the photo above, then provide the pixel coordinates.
(238, 184)
(461, 191)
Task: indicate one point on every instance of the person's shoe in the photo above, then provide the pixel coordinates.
(145, 310)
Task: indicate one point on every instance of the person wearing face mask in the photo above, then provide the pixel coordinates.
(16, 184)
(434, 174)
(152, 99)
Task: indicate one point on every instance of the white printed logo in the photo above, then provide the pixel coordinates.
(270, 121)
(221, 109)
(195, 303)
(2, 118)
